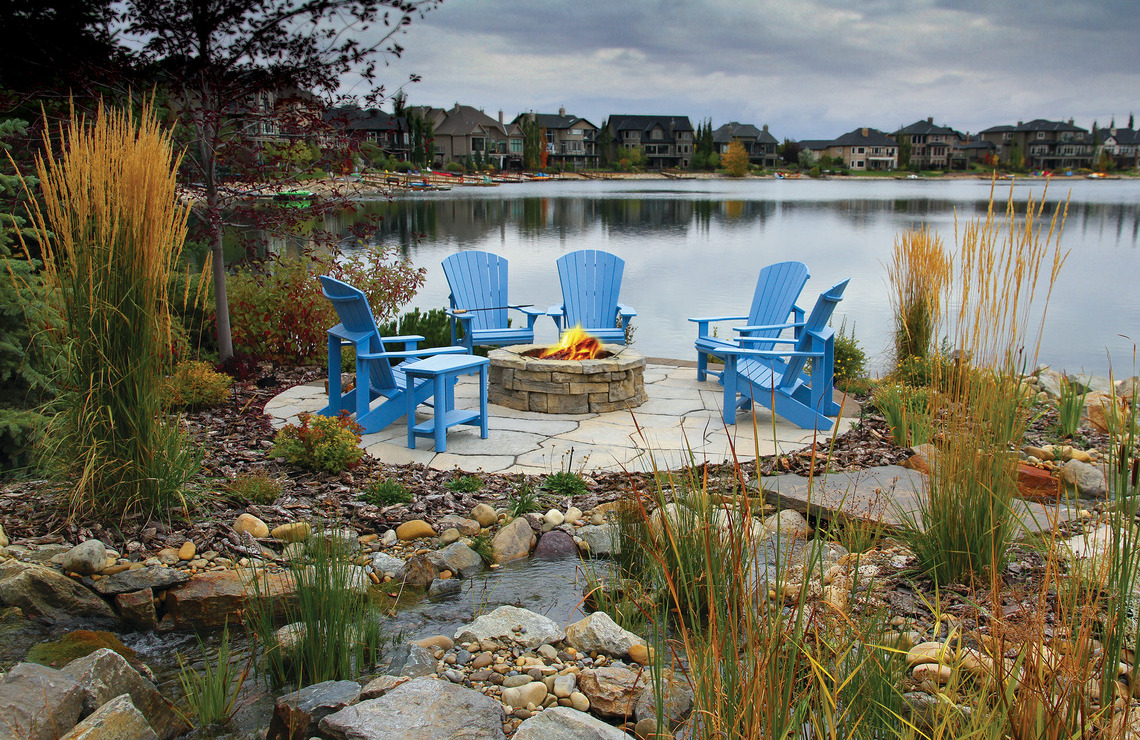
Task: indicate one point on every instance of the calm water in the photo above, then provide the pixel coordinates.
(694, 248)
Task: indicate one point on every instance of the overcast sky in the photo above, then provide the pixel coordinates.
(807, 68)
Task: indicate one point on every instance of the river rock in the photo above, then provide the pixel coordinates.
(154, 577)
(38, 703)
(678, 700)
(187, 551)
(291, 532)
(414, 530)
(136, 609)
(555, 545)
(118, 719)
(467, 527)
(421, 708)
(554, 517)
(564, 685)
(612, 690)
(510, 624)
(3, 538)
(789, 523)
(410, 660)
(444, 587)
(458, 558)
(104, 675)
(564, 723)
(381, 685)
(599, 632)
(1086, 480)
(602, 539)
(385, 564)
(85, 558)
(251, 525)
(297, 714)
(513, 542)
(214, 598)
(417, 572)
(517, 697)
(483, 514)
(44, 592)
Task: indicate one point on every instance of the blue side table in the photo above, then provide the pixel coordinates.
(441, 371)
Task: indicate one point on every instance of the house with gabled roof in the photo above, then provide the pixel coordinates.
(463, 132)
(865, 149)
(666, 140)
(1042, 145)
(1122, 145)
(570, 140)
(760, 145)
(387, 131)
(933, 147)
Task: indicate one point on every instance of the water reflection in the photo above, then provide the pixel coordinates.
(694, 247)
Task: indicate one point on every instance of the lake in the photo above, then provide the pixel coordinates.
(694, 247)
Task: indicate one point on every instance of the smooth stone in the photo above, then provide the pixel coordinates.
(385, 564)
(554, 517)
(167, 556)
(1086, 480)
(519, 697)
(501, 623)
(118, 719)
(249, 524)
(564, 685)
(601, 539)
(563, 723)
(104, 675)
(458, 558)
(389, 538)
(419, 709)
(417, 572)
(443, 642)
(483, 514)
(467, 527)
(513, 542)
(414, 530)
(85, 558)
(449, 535)
(579, 701)
(444, 587)
(154, 577)
(573, 515)
(598, 632)
(789, 523)
(640, 653)
(521, 679)
(291, 532)
(187, 551)
(3, 538)
(38, 703)
(40, 591)
(555, 545)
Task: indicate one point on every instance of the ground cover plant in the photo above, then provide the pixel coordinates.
(320, 442)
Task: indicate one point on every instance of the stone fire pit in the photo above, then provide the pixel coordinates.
(525, 383)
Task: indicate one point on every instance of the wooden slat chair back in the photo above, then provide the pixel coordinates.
(479, 301)
(591, 289)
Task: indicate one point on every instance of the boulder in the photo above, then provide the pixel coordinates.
(510, 624)
(602, 539)
(467, 527)
(297, 714)
(599, 632)
(484, 515)
(789, 523)
(411, 661)
(104, 675)
(555, 545)
(44, 592)
(154, 577)
(513, 542)
(38, 703)
(414, 530)
(613, 691)
(1085, 480)
(85, 558)
(458, 558)
(421, 708)
(118, 719)
(385, 564)
(417, 572)
(137, 609)
(678, 702)
(564, 723)
(215, 598)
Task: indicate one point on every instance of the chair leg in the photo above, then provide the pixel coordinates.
(729, 380)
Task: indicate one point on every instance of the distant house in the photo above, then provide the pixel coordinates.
(666, 140)
(977, 150)
(933, 147)
(463, 132)
(570, 140)
(760, 145)
(815, 148)
(1042, 145)
(387, 131)
(1122, 145)
(865, 149)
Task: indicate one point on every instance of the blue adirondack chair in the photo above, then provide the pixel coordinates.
(591, 284)
(773, 302)
(478, 282)
(775, 378)
(376, 378)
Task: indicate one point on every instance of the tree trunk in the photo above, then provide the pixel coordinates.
(207, 125)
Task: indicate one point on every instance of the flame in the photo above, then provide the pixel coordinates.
(575, 344)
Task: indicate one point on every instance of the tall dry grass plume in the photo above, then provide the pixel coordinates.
(919, 273)
(112, 229)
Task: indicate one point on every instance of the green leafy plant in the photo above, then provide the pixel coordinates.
(907, 411)
(320, 443)
(850, 359)
(1069, 406)
(465, 484)
(257, 488)
(213, 684)
(431, 325)
(195, 384)
(523, 500)
(386, 493)
(565, 483)
(111, 228)
(481, 544)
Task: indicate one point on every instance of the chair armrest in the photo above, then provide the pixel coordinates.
(626, 310)
(777, 354)
(704, 319)
(556, 310)
(761, 327)
(765, 340)
(425, 352)
(529, 311)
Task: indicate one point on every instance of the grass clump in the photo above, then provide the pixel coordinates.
(918, 273)
(212, 686)
(112, 227)
(386, 493)
(320, 443)
(565, 483)
(481, 544)
(465, 484)
(523, 500)
(907, 411)
(1069, 406)
(195, 385)
(256, 488)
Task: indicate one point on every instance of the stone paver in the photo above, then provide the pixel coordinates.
(678, 409)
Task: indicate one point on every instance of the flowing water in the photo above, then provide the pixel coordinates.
(693, 248)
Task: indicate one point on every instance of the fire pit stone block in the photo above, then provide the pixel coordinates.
(525, 383)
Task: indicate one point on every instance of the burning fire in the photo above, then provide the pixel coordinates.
(575, 344)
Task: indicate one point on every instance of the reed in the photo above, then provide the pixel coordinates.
(907, 411)
(112, 228)
(919, 273)
(212, 687)
(1070, 406)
